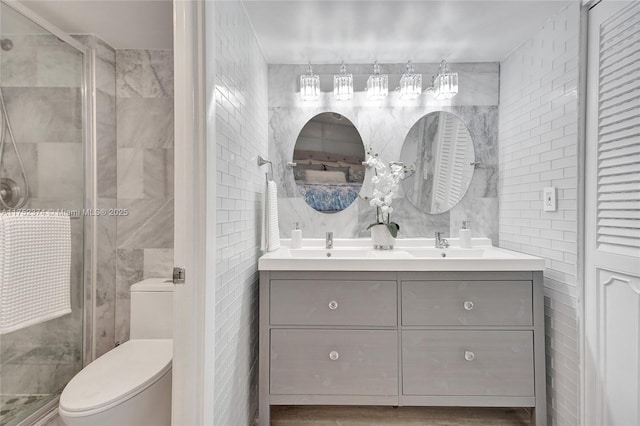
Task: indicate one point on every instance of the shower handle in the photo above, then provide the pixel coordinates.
(10, 192)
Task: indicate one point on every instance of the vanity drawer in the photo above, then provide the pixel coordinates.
(491, 363)
(318, 302)
(506, 303)
(334, 362)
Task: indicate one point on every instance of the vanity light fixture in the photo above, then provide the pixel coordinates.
(343, 85)
(445, 83)
(377, 84)
(310, 85)
(410, 83)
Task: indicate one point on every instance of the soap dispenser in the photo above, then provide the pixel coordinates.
(296, 236)
(465, 235)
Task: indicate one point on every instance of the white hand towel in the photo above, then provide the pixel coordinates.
(270, 228)
(35, 269)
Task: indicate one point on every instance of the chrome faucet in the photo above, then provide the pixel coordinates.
(329, 240)
(441, 242)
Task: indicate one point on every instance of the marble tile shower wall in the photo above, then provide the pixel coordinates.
(134, 106)
(144, 181)
(41, 80)
(384, 126)
(105, 132)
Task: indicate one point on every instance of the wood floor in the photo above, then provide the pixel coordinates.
(402, 416)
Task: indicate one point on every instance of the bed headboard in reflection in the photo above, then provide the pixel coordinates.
(300, 154)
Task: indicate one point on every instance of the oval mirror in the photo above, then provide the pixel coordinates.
(440, 146)
(328, 154)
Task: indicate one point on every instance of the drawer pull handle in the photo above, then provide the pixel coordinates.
(469, 356)
(468, 305)
(334, 355)
(333, 305)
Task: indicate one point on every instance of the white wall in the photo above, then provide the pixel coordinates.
(538, 145)
(241, 134)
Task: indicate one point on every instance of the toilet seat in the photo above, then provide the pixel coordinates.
(117, 376)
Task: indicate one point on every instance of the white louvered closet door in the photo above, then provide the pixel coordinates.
(612, 217)
(453, 153)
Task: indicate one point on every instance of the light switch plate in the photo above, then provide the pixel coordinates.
(549, 199)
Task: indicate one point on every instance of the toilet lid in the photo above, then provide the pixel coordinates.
(117, 375)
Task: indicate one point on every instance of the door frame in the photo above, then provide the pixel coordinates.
(581, 195)
(194, 241)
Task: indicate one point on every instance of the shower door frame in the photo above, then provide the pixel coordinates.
(49, 410)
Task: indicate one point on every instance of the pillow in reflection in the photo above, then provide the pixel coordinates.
(321, 176)
(344, 170)
(355, 175)
(357, 166)
(301, 168)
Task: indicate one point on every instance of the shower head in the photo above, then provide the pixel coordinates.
(6, 44)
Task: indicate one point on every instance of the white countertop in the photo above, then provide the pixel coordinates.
(411, 254)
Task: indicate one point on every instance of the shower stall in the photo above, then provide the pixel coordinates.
(44, 145)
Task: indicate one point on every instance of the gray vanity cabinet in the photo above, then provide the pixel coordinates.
(402, 338)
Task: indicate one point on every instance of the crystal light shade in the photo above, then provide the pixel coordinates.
(410, 83)
(377, 84)
(343, 85)
(310, 86)
(445, 85)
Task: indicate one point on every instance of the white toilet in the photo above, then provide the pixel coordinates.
(131, 384)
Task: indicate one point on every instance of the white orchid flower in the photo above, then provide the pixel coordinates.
(385, 182)
(375, 163)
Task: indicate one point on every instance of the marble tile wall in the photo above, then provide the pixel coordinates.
(105, 133)
(134, 136)
(41, 80)
(144, 178)
(383, 125)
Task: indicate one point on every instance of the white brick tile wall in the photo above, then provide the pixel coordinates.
(241, 134)
(537, 148)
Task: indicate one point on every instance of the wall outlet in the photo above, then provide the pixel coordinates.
(549, 199)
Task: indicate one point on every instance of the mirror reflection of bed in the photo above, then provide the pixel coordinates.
(328, 154)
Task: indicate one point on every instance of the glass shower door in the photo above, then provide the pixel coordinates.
(41, 167)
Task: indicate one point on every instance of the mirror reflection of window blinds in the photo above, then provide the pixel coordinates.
(453, 141)
(618, 220)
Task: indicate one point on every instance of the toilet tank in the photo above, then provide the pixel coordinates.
(152, 309)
